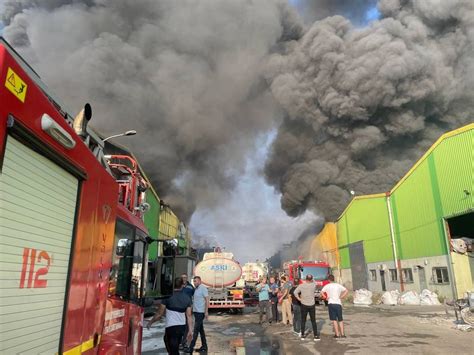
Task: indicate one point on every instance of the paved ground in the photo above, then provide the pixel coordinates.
(370, 330)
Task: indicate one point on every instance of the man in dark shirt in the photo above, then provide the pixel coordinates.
(188, 289)
(178, 311)
(296, 304)
(305, 294)
(274, 298)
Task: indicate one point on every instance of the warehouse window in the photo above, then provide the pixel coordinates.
(407, 275)
(393, 275)
(373, 275)
(440, 275)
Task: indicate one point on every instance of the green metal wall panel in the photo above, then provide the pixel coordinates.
(366, 220)
(435, 189)
(454, 164)
(417, 215)
(341, 226)
(152, 220)
(342, 241)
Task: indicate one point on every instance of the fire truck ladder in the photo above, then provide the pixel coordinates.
(131, 184)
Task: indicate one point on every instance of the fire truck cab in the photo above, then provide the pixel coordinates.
(299, 269)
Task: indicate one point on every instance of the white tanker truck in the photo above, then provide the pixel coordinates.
(253, 272)
(220, 273)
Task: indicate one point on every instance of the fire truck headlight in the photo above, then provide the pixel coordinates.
(55, 131)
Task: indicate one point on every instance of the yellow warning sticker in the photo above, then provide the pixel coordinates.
(16, 86)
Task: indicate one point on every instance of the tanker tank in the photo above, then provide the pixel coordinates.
(221, 273)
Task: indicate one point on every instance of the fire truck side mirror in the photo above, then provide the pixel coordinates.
(122, 246)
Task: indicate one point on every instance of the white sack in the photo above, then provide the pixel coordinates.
(363, 297)
(410, 298)
(391, 297)
(428, 298)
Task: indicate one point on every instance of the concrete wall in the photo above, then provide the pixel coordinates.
(345, 278)
(427, 263)
(376, 286)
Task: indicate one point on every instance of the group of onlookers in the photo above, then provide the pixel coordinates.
(187, 300)
(298, 301)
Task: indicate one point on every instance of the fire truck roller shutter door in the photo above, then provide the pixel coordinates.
(37, 210)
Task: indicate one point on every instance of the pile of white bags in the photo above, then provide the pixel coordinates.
(362, 297)
(391, 297)
(410, 298)
(428, 298)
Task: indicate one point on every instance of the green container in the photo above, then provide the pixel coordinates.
(152, 222)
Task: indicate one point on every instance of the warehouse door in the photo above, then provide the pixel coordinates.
(461, 232)
(358, 266)
(422, 278)
(37, 211)
(382, 279)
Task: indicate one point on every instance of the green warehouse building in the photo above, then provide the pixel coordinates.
(416, 235)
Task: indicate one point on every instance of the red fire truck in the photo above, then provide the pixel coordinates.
(299, 269)
(72, 254)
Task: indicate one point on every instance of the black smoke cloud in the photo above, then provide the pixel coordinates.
(363, 104)
(187, 75)
(360, 104)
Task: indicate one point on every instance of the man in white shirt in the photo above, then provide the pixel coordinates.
(335, 293)
(200, 311)
(178, 310)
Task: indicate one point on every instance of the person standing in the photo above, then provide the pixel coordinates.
(200, 311)
(305, 294)
(335, 293)
(178, 310)
(264, 300)
(296, 304)
(286, 301)
(187, 286)
(188, 289)
(274, 298)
